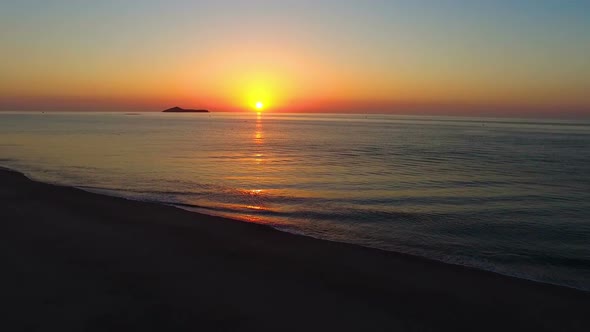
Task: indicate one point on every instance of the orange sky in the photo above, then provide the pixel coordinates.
(302, 56)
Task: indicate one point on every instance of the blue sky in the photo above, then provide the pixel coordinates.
(512, 53)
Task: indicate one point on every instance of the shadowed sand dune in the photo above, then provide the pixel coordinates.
(77, 261)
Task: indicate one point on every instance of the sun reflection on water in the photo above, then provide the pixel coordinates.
(258, 134)
(258, 160)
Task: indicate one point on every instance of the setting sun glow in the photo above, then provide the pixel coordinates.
(316, 56)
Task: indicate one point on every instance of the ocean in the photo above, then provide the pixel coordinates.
(505, 195)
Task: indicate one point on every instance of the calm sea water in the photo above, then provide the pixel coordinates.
(511, 196)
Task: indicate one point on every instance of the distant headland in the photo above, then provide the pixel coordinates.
(184, 110)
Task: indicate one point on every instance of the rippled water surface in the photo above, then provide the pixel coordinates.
(512, 196)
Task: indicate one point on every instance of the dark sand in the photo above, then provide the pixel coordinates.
(77, 261)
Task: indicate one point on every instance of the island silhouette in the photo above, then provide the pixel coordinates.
(177, 109)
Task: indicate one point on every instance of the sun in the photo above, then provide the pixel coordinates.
(259, 105)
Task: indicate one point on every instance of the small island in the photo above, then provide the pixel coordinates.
(184, 110)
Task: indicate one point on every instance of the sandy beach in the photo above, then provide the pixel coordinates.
(78, 261)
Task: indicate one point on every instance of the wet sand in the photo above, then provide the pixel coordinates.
(78, 261)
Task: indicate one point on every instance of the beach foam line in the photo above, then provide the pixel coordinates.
(466, 262)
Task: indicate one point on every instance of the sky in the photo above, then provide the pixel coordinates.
(512, 58)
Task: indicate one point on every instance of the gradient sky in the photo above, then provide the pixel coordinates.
(438, 57)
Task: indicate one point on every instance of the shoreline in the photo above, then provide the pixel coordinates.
(61, 240)
(197, 210)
